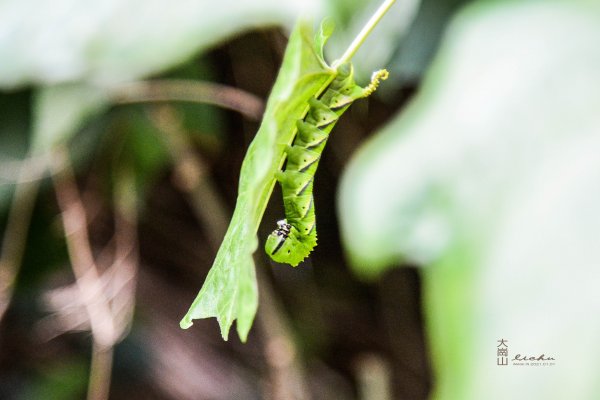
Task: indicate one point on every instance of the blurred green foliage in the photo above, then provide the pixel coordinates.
(14, 140)
(60, 381)
(490, 180)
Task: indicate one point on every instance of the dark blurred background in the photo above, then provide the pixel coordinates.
(146, 174)
(344, 330)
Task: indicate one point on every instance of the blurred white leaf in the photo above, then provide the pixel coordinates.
(416, 51)
(59, 111)
(491, 178)
(119, 40)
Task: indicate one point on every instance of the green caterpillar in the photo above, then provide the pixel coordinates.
(296, 236)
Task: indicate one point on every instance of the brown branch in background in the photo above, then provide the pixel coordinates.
(116, 284)
(287, 380)
(189, 90)
(191, 174)
(122, 281)
(87, 277)
(100, 372)
(374, 377)
(15, 235)
(286, 377)
(78, 245)
(124, 270)
(17, 171)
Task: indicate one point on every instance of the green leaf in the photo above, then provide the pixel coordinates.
(230, 290)
(490, 179)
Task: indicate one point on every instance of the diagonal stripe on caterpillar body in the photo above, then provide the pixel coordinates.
(296, 235)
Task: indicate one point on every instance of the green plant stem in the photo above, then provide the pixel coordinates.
(364, 33)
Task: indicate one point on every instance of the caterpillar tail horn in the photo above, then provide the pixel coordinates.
(376, 78)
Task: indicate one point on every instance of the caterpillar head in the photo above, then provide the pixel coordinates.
(287, 246)
(276, 239)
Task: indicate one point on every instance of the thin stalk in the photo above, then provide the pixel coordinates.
(100, 372)
(87, 276)
(15, 236)
(364, 33)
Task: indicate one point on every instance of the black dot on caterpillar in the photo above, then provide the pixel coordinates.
(296, 235)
